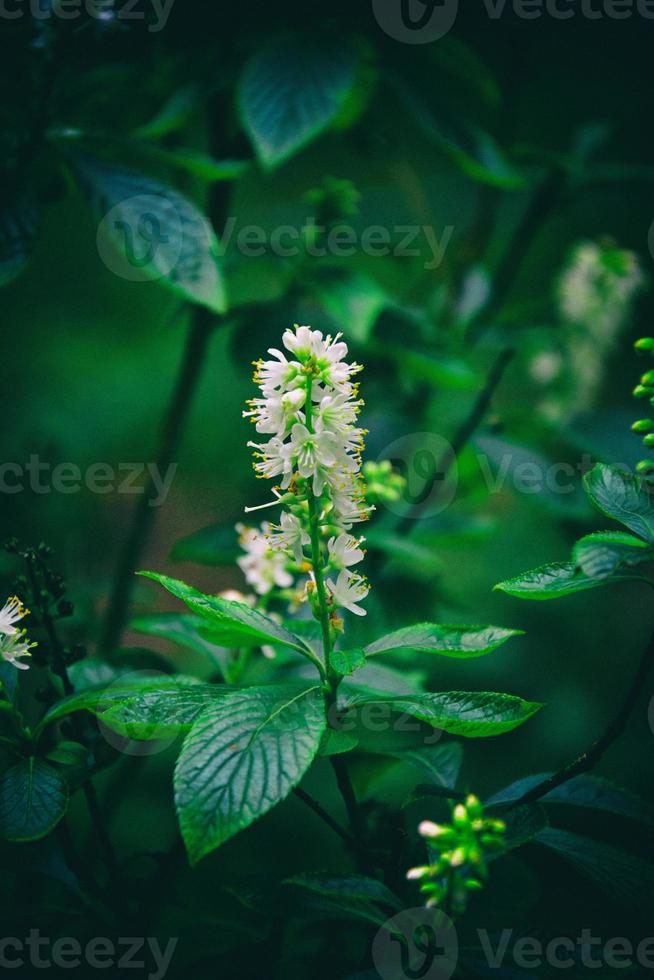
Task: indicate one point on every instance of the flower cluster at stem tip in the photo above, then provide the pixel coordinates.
(309, 407)
(13, 644)
(458, 855)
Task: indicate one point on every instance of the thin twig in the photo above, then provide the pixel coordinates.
(589, 759)
(364, 860)
(176, 414)
(324, 816)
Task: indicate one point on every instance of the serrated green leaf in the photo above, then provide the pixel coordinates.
(618, 494)
(345, 662)
(154, 231)
(441, 764)
(450, 641)
(231, 623)
(628, 877)
(554, 580)
(291, 90)
(473, 714)
(100, 698)
(33, 799)
(242, 757)
(599, 555)
(160, 714)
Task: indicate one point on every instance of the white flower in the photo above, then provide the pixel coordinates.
(348, 590)
(327, 354)
(13, 646)
(338, 412)
(12, 612)
(315, 453)
(263, 568)
(345, 551)
(273, 459)
(289, 536)
(273, 414)
(349, 506)
(272, 375)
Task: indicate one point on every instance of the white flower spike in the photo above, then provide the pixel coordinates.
(10, 614)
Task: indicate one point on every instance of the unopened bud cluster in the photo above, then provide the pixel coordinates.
(645, 426)
(459, 851)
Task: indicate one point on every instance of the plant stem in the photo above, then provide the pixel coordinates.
(589, 759)
(316, 558)
(175, 418)
(324, 816)
(346, 790)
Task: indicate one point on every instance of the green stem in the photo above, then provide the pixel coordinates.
(316, 559)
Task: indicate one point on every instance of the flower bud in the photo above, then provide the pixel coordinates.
(645, 343)
(649, 440)
(644, 467)
(640, 391)
(643, 425)
(647, 378)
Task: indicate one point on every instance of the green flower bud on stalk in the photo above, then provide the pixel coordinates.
(647, 378)
(644, 344)
(643, 425)
(640, 391)
(649, 440)
(644, 467)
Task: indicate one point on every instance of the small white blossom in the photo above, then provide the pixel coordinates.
(10, 614)
(289, 535)
(263, 568)
(272, 415)
(344, 550)
(348, 590)
(316, 453)
(13, 646)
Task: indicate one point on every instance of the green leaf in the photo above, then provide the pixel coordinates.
(184, 629)
(33, 799)
(18, 231)
(100, 698)
(173, 114)
(345, 662)
(350, 897)
(523, 823)
(474, 151)
(161, 713)
(599, 555)
(231, 623)
(450, 641)
(150, 231)
(337, 742)
(441, 764)
(8, 681)
(473, 714)
(291, 90)
(199, 165)
(68, 753)
(618, 494)
(622, 875)
(214, 545)
(553, 581)
(586, 791)
(242, 757)
(352, 298)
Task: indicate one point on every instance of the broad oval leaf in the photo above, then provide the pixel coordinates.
(586, 791)
(291, 90)
(554, 580)
(625, 876)
(184, 629)
(242, 757)
(149, 231)
(231, 623)
(599, 555)
(351, 897)
(473, 714)
(619, 494)
(33, 799)
(450, 641)
(160, 714)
